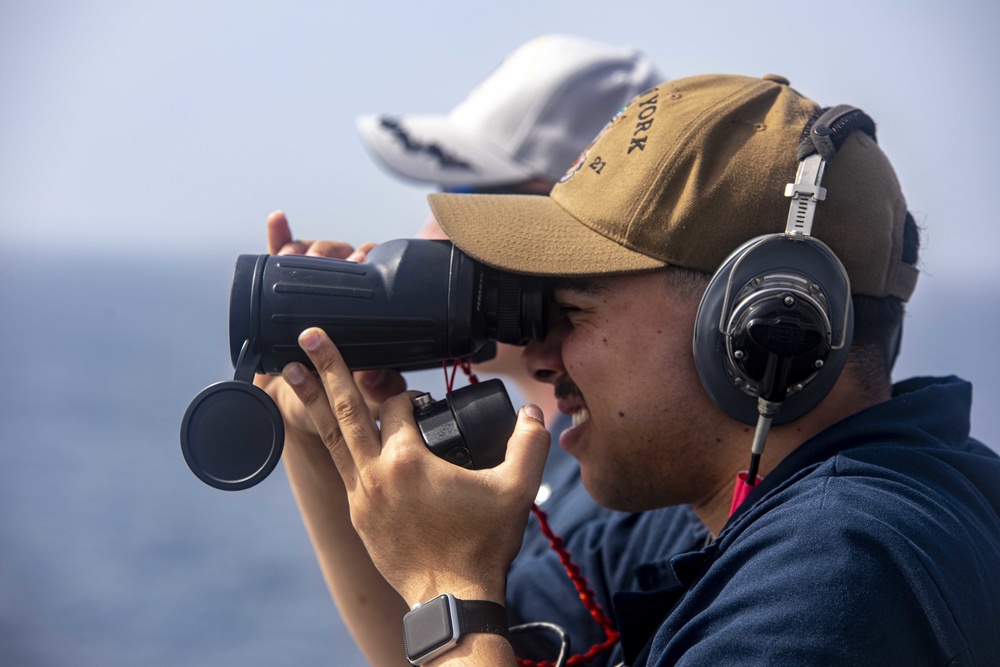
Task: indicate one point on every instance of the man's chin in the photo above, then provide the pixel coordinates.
(607, 496)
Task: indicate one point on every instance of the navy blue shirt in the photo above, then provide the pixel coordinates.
(876, 542)
(538, 588)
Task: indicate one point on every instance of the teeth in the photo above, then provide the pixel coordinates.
(580, 416)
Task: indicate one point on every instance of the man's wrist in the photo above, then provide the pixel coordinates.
(437, 626)
(478, 649)
(419, 590)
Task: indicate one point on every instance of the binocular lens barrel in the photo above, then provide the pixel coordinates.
(412, 304)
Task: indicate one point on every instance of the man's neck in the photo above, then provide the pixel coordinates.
(846, 399)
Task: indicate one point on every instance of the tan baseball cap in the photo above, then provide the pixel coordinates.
(682, 176)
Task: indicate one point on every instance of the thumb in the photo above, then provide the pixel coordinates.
(528, 446)
(279, 234)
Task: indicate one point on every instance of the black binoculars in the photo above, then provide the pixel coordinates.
(413, 304)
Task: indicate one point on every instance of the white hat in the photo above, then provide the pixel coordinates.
(529, 118)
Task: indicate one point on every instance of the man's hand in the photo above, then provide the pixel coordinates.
(430, 527)
(377, 385)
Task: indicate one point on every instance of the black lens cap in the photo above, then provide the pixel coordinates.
(232, 435)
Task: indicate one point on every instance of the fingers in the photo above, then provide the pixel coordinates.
(527, 448)
(279, 234)
(293, 412)
(281, 242)
(294, 248)
(334, 249)
(361, 254)
(378, 386)
(311, 394)
(279, 237)
(401, 433)
(352, 426)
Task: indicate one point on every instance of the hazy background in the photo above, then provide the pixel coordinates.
(142, 146)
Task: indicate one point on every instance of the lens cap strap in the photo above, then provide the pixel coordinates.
(248, 362)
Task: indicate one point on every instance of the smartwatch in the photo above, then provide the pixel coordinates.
(435, 627)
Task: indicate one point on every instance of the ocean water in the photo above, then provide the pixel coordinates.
(112, 553)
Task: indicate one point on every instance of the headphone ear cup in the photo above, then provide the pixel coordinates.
(768, 268)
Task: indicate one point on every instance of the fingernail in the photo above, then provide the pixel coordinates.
(309, 339)
(372, 380)
(294, 373)
(534, 412)
(354, 257)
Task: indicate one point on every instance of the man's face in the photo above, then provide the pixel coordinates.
(618, 354)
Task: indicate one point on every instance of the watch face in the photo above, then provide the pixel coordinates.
(430, 628)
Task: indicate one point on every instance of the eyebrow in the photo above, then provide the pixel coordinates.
(588, 286)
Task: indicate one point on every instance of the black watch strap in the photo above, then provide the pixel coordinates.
(483, 616)
(435, 627)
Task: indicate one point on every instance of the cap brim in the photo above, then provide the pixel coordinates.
(532, 234)
(434, 149)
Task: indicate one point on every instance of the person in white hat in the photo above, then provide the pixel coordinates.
(524, 123)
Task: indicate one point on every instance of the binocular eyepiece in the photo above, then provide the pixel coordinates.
(411, 305)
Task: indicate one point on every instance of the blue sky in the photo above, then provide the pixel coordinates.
(175, 127)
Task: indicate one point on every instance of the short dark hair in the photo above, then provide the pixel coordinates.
(878, 323)
(690, 284)
(877, 329)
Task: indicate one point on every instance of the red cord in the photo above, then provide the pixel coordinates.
(572, 570)
(449, 378)
(467, 369)
(586, 596)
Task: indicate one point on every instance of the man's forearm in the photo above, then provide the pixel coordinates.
(478, 650)
(371, 609)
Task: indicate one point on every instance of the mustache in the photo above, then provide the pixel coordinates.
(566, 388)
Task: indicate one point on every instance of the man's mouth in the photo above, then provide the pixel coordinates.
(571, 401)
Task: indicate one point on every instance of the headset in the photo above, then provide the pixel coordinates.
(774, 327)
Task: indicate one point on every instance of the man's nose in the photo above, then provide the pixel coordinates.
(542, 359)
